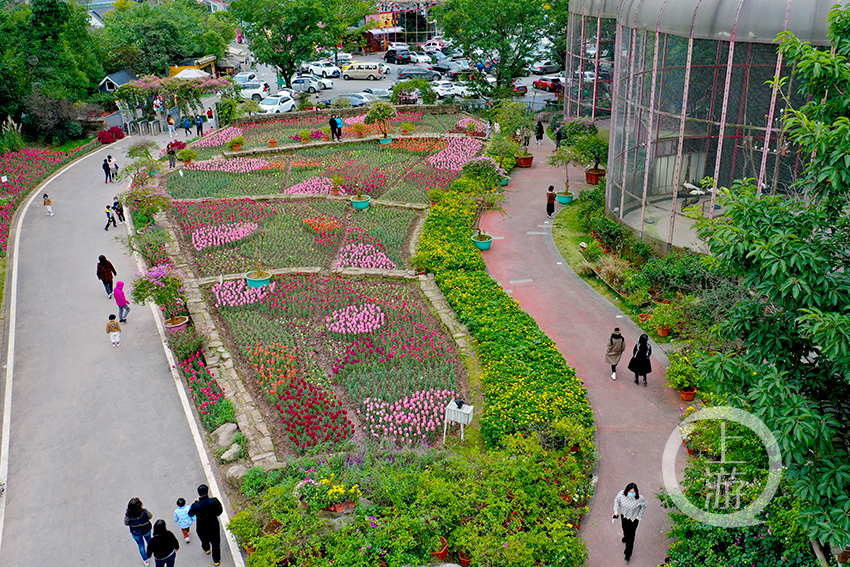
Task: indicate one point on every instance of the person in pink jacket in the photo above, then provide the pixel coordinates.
(121, 300)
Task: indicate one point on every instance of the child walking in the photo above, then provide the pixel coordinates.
(113, 329)
(110, 218)
(48, 204)
(119, 209)
(121, 302)
(182, 517)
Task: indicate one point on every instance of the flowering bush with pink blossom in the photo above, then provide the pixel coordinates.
(413, 420)
(219, 138)
(216, 235)
(356, 319)
(236, 293)
(235, 165)
(313, 186)
(458, 152)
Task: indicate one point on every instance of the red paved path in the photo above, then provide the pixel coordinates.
(633, 421)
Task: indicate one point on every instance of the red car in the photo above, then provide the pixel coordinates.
(519, 88)
(550, 84)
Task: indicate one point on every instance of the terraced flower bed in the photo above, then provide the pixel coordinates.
(328, 352)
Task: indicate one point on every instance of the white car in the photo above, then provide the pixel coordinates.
(385, 69)
(343, 57)
(398, 46)
(323, 69)
(276, 103)
(244, 77)
(255, 91)
(419, 58)
(444, 88)
(310, 83)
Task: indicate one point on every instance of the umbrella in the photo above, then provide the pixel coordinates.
(191, 74)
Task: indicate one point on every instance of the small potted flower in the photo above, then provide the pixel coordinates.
(273, 143)
(235, 144)
(482, 240)
(245, 527)
(337, 183)
(683, 376)
(359, 200)
(164, 286)
(664, 317)
(186, 155)
(304, 135)
(407, 128)
(359, 129)
(471, 128)
(326, 133)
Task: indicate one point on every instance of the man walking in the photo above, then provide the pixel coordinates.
(207, 510)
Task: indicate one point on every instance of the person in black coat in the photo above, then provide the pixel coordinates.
(538, 134)
(163, 546)
(207, 510)
(332, 124)
(640, 364)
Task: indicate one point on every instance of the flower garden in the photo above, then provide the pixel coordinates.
(356, 371)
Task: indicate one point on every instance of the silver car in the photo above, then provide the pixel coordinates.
(309, 83)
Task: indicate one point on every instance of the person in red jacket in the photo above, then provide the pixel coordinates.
(105, 271)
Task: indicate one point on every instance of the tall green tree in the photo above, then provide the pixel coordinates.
(792, 257)
(508, 31)
(283, 33)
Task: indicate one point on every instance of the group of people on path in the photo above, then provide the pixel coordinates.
(110, 169)
(335, 123)
(157, 541)
(105, 273)
(187, 122)
(639, 364)
(113, 211)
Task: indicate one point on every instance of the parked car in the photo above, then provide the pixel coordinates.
(276, 103)
(545, 67)
(383, 94)
(308, 83)
(416, 57)
(550, 84)
(462, 69)
(397, 56)
(356, 99)
(323, 69)
(520, 88)
(444, 89)
(399, 46)
(255, 91)
(369, 71)
(432, 45)
(244, 77)
(445, 66)
(343, 57)
(418, 73)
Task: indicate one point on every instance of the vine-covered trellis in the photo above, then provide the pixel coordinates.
(175, 91)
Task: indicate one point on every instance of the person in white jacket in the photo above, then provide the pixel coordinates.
(629, 506)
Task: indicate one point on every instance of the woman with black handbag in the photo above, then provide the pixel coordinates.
(640, 364)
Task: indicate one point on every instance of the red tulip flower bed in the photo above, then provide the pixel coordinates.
(310, 414)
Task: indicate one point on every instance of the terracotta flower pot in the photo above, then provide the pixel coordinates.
(464, 560)
(663, 331)
(524, 161)
(594, 176)
(687, 395)
(237, 147)
(444, 550)
(644, 317)
(272, 143)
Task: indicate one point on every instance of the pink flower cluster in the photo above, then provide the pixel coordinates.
(414, 419)
(356, 319)
(464, 123)
(235, 165)
(216, 235)
(313, 186)
(360, 250)
(236, 293)
(457, 153)
(219, 138)
(194, 215)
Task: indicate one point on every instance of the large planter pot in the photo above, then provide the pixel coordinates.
(565, 198)
(187, 162)
(464, 560)
(524, 161)
(359, 134)
(176, 323)
(482, 244)
(326, 138)
(385, 141)
(594, 176)
(340, 508)
(404, 132)
(444, 550)
(687, 395)
(253, 279)
(663, 331)
(361, 203)
(504, 181)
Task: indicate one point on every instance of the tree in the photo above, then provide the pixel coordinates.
(282, 34)
(791, 256)
(339, 16)
(506, 32)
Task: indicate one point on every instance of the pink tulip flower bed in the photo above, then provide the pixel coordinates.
(458, 152)
(376, 341)
(314, 186)
(219, 138)
(235, 165)
(193, 216)
(216, 235)
(359, 250)
(24, 170)
(413, 420)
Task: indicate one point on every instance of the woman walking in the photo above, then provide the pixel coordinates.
(538, 134)
(172, 155)
(616, 346)
(139, 521)
(107, 170)
(163, 546)
(640, 364)
(105, 271)
(550, 201)
(629, 506)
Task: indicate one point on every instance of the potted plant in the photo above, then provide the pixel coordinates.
(235, 144)
(485, 172)
(273, 143)
(471, 128)
(326, 133)
(304, 136)
(337, 183)
(482, 240)
(683, 376)
(381, 113)
(591, 149)
(164, 286)
(515, 118)
(258, 277)
(442, 547)
(407, 128)
(186, 155)
(359, 129)
(359, 200)
(245, 527)
(436, 195)
(419, 263)
(664, 316)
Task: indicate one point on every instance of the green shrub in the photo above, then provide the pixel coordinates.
(464, 185)
(593, 251)
(185, 343)
(73, 129)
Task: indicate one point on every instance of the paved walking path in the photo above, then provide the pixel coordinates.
(633, 421)
(91, 425)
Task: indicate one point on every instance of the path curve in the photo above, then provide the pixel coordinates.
(633, 422)
(89, 425)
